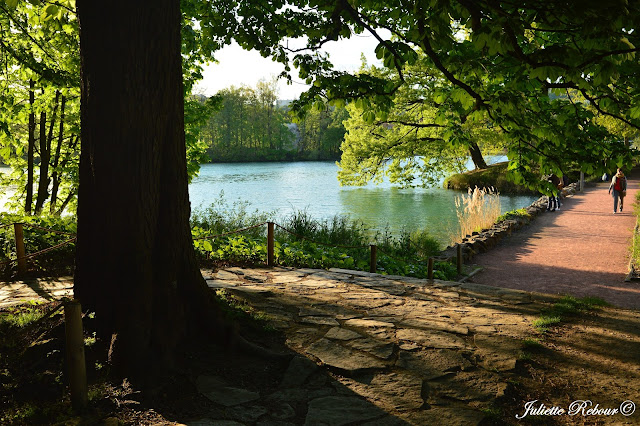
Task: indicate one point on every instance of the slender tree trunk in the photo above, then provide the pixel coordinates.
(66, 202)
(476, 156)
(30, 149)
(135, 261)
(45, 156)
(55, 175)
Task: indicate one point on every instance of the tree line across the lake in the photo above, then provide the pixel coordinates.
(251, 124)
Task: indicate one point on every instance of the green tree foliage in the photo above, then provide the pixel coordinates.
(39, 103)
(250, 126)
(420, 138)
(501, 60)
(39, 118)
(321, 133)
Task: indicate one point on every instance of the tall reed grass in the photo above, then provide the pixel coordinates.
(477, 210)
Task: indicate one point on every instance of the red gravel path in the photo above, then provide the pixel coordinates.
(580, 250)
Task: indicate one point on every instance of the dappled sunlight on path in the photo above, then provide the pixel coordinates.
(581, 250)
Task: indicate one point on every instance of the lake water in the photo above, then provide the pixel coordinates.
(314, 187)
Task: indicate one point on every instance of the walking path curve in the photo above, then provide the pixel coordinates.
(581, 250)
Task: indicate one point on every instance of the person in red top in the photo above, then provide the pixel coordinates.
(619, 187)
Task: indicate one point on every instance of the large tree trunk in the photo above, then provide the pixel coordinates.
(135, 262)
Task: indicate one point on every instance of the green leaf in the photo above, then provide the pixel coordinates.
(50, 11)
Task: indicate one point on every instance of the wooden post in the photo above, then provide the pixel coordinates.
(459, 258)
(581, 181)
(430, 268)
(75, 354)
(20, 252)
(270, 244)
(374, 258)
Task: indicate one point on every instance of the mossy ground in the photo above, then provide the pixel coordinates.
(494, 176)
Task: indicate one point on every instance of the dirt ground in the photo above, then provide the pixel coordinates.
(592, 358)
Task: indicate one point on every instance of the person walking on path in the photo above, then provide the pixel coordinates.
(552, 200)
(576, 251)
(619, 188)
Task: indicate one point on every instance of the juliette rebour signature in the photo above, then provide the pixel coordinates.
(576, 408)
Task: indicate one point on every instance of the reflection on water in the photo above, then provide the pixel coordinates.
(313, 186)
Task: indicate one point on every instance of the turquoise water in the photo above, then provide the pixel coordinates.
(314, 187)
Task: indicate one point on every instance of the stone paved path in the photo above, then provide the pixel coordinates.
(581, 250)
(403, 350)
(14, 293)
(387, 350)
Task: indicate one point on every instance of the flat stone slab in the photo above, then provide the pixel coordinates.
(377, 348)
(219, 392)
(338, 333)
(320, 320)
(431, 339)
(226, 275)
(335, 355)
(222, 284)
(423, 323)
(403, 389)
(298, 371)
(432, 362)
(370, 323)
(341, 410)
(246, 414)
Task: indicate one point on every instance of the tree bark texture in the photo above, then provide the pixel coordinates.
(476, 156)
(135, 262)
(45, 155)
(30, 149)
(55, 175)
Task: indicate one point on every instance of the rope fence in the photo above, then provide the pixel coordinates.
(21, 256)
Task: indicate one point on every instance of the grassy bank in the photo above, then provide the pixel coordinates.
(301, 241)
(494, 176)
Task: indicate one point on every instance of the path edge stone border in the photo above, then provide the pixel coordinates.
(485, 240)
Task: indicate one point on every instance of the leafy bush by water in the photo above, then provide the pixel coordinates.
(303, 241)
(59, 261)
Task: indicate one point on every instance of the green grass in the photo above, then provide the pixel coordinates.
(23, 315)
(567, 306)
(513, 215)
(532, 343)
(543, 323)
